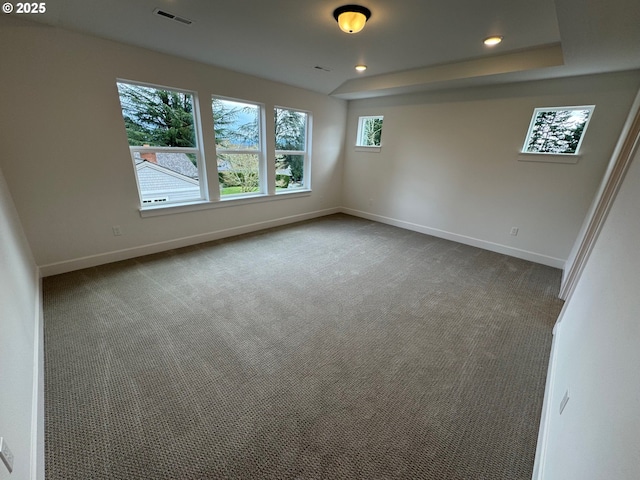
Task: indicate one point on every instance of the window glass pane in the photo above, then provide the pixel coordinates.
(160, 125)
(289, 172)
(157, 117)
(557, 130)
(291, 127)
(166, 177)
(369, 131)
(238, 173)
(236, 124)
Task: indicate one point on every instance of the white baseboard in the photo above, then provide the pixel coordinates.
(115, 256)
(474, 242)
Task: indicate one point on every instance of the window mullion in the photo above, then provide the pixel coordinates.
(269, 146)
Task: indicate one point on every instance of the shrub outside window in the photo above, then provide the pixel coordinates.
(161, 126)
(557, 130)
(291, 155)
(240, 159)
(369, 131)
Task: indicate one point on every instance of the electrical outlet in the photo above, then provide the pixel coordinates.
(563, 402)
(514, 231)
(6, 455)
(117, 231)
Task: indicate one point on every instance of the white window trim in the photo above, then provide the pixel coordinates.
(556, 155)
(359, 143)
(197, 150)
(260, 151)
(306, 163)
(246, 199)
(371, 149)
(569, 158)
(212, 199)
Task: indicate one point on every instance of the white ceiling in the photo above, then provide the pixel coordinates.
(408, 45)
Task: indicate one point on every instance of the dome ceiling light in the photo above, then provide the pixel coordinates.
(351, 18)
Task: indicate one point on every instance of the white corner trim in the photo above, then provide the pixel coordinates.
(127, 253)
(474, 242)
(628, 143)
(37, 399)
(547, 404)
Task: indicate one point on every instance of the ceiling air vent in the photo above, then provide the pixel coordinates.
(171, 16)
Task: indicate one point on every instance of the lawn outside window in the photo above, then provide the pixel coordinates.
(240, 159)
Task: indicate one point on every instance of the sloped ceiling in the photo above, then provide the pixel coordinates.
(408, 45)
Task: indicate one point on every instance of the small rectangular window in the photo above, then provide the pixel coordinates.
(369, 131)
(237, 127)
(161, 126)
(292, 156)
(557, 130)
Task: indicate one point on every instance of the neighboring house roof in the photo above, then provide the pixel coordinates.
(159, 184)
(177, 162)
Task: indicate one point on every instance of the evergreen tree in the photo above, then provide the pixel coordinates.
(290, 135)
(157, 117)
(372, 132)
(557, 131)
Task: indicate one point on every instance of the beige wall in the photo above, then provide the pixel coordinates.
(596, 358)
(19, 326)
(449, 164)
(66, 158)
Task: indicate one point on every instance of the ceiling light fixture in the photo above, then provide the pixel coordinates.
(361, 68)
(493, 40)
(351, 18)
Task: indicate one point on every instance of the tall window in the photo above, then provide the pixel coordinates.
(557, 130)
(292, 156)
(161, 126)
(369, 131)
(237, 134)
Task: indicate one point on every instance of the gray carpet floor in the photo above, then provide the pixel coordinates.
(337, 348)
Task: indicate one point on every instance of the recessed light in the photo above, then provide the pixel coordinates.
(492, 41)
(361, 68)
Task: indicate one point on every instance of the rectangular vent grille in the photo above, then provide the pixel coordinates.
(171, 16)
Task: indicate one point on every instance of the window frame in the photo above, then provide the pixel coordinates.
(559, 155)
(306, 153)
(263, 185)
(197, 150)
(360, 132)
(206, 149)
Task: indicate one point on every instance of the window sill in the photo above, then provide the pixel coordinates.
(548, 157)
(363, 148)
(157, 211)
